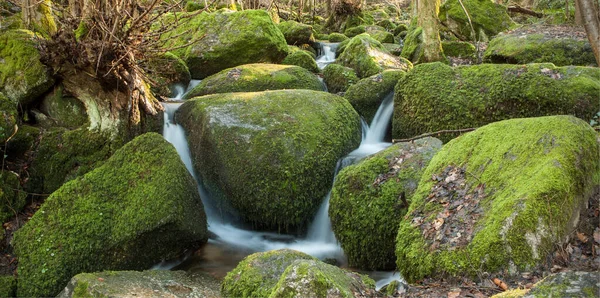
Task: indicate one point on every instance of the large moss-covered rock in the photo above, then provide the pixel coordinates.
(567, 284)
(8, 117)
(225, 39)
(370, 198)
(521, 48)
(302, 59)
(367, 94)
(22, 76)
(358, 19)
(270, 155)
(487, 17)
(393, 48)
(460, 49)
(151, 283)
(380, 34)
(22, 142)
(257, 77)
(141, 206)
(369, 57)
(12, 196)
(63, 110)
(313, 278)
(337, 37)
(339, 78)
(166, 70)
(257, 274)
(296, 33)
(354, 31)
(412, 48)
(435, 96)
(499, 199)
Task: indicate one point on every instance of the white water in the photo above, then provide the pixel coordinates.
(327, 54)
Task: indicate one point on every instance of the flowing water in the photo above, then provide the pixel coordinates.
(326, 53)
(229, 243)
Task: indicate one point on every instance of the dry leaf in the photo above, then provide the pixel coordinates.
(100, 279)
(437, 224)
(500, 284)
(454, 293)
(582, 237)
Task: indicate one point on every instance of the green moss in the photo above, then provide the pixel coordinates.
(381, 36)
(141, 206)
(12, 195)
(309, 50)
(435, 96)
(192, 5)
(337, 37)
(8, 118)
(81, 31)
(12, 22)
(413, 44)
(166, 70)
(258, 274)
(341, 47)
(22, 142)
(302, 59)
(367, 94)
(459, 49)
(339, 78)
(399, 29)
(257, 77)
(532, 176)
(64, 111)
(250, 148)
(368, 57)
(387, 24)
(393, 48)
(535, 48)
(224, 39)
(296, 33)
(366, 205)
(567, 284)
(354, 31)
(487, 17)
(22, 76)
(8, 286)
(516, 293)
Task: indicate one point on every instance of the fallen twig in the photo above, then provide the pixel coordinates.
(439, 132)
(523, 10)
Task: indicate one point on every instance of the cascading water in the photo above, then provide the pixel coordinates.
(326, 53)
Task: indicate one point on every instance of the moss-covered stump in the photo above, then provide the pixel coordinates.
(141, 206)
(225, 39)
(367, 95)
(12, 196)
(64, 110)
(151, 283)
(313, 278)
(499, 199)
(22, 76)
(435, 96)
(339, 78)
(270, 155)
(459, 49)
(257, 77)
(370, 198)
(257, 274)
(8, 118)
(369, 57)
(487, 17)
(165, 71)
(302, 59)
(8, 286)
(296, 33)
(337, 37)
(522, 48)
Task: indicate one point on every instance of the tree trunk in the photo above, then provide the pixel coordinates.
(579, 13)
(591, 22)
(428, 20)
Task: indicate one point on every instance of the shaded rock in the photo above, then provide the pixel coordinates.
(139, 207)
(370, 198)
(354, 31)
(302, 59)
(393, 48)
(567, 284)
(165, 71)
(257, 77)
(63, 110)
(22, 76)
(8, 118)
(487, 17)
(296, 33)
(151, 283)
(435, 96)
(368, 57)
(367, 94)
(339, 78)
(504, 197)
(459, 49)
(250, 148)
(12, 195)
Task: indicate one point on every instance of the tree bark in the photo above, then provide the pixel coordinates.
(428, 20)
(579, 13)
(591, 19)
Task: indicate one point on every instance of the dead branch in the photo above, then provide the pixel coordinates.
(439, 132)
(523, 10)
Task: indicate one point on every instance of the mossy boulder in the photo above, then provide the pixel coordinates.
(487, 17)
(499, 199)
(522, 48)
(381, 36)
(435, 96)
(369, 57)
(8, 286)
(367, 94)
(393, 48)
(141, 206)
(309, 50)
(370, 198)
(257, 77)
(341, 47)
(12, 21)
(64, 110)
(337, 37)
(354, 31)
(399, 29)
(12, 195)
(22, 76)
(567, 284)
(339, 78)
(8, 118)
(22, 142)
(313, 278)
(302, 59)
(387, 25)
(257, 274)
(412, 48)
(269, 155)
(166, 70)
(358, 19)
(150, 283)
(225, 39)
(460, 49)
(296, 33)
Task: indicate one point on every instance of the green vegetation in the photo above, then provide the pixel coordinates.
(368, 57)
(367, 94)
(296, 33)
(459, 49)
(12, 196)
(488, 18)
(302, 59)
(339, 78)
(165, 71)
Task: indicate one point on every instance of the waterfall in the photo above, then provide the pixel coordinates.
(326, 53)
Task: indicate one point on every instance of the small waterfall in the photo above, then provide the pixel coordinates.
(326, 53)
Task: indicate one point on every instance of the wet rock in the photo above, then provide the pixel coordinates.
(367, 94)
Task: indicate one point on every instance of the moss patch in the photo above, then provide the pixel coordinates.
(369, 57)
(435, 96)
(166, 70)
(8, 118)
(487, 17)
(8, 286)
(337, 37)
(459, 49)
(64, 111)
(139, 207)
(302, 59)
(339, 78)
(12, 196)
(296, 33)
(524, 182)
(367, 95)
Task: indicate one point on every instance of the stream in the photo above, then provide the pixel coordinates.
(229, 244)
